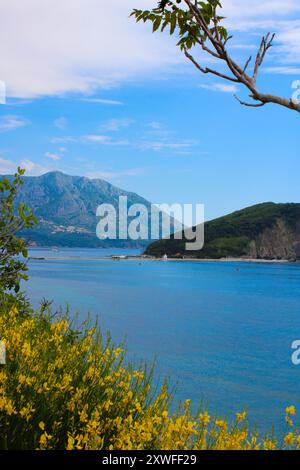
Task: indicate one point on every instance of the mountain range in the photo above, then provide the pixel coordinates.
(66, 209)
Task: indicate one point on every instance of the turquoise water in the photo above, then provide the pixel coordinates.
(222, 332)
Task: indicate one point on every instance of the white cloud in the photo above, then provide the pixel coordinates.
(114, 174)
(9, 123)
(155, 125)
(289, 39)
(284, 70)
(14, 102)
(237, 10)
(99, 139)
(58, 46)
(90, 138)
(258, 17)
(7, 167)
(152, 136)
(32, 169)
(243, 46)
(221, 87)
(61, 123)
(114, 125)
(103, 140)
(53, 156)
(67, 139)
(103, 101)
(157, 146)
(72, 46)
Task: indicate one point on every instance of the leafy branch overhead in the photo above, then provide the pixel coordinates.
(199, 24)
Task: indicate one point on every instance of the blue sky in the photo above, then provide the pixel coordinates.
(123, 105)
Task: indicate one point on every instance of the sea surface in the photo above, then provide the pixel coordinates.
(220, 331)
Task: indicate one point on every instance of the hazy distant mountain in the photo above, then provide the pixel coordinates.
(264, 231)
(66, 208)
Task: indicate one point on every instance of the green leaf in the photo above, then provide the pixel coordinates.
(173, 23)
(157, 24)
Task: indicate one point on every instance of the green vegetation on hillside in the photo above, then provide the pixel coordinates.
(231, 235)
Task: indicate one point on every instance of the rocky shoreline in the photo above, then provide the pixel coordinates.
(149, 258)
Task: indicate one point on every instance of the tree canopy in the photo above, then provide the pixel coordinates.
(13, 249)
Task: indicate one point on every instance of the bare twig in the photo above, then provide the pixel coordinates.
(208, 70)
(247, 63)
(251, 105)
(266, 43)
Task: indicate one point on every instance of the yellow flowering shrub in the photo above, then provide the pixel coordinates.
(65, 389)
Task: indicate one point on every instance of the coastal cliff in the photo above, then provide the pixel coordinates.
(276, 242)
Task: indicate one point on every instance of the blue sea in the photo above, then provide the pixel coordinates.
(220, 331)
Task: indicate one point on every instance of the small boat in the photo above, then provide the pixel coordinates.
(165, 257)
(119, 257)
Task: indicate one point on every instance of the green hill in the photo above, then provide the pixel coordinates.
(263, 231)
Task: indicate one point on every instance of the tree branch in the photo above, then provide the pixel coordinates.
(265, 45)
(251, 105)
(239, 74)
(199, 23)
(208, 70)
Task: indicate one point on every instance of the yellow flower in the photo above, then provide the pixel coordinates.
(289, 438)
(241, 416)
(220, 423)
(290, 410)
(23, 380)
(108, 404)
(204, 418)
(26, 350)
(289, 421)
(71, 443)
(45, 437)
(138, 375)
(60, 327)
(66, 380)
(90, 373)
(138, 407)
(13, 313)
(83, 416)
(117, 352)
(63, 385)
(7, 405)
(26, 412)
(269, 445)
